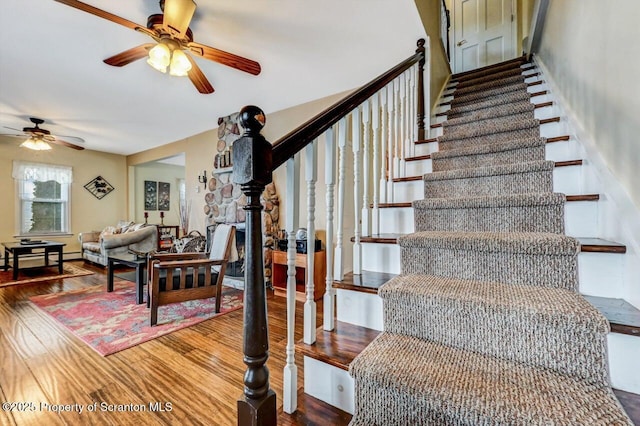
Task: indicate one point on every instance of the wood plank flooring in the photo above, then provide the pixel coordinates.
(195, 374)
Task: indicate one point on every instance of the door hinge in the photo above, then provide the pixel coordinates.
(512, 17)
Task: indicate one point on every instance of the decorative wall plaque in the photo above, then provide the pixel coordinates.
(99, 187)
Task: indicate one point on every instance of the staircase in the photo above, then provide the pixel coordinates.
(478, 284)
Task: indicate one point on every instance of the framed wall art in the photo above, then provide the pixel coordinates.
(99, 187)
(150, 195)
(164, 196)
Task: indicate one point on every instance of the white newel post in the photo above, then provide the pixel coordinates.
(375, 124)
(355, 146)
(311, 171)
(366, 162)
(390, 145)
(384, 196)
(329, 180)
(290, 388)
(338, 271)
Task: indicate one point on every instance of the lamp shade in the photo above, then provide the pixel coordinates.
(35, 144)
(159, 57)
(180, 64)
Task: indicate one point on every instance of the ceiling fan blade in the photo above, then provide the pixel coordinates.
(102, 14)
(68, 144)
(11, 128)
(198, 78)
(128, 56)
(177, 15)
(225, 58)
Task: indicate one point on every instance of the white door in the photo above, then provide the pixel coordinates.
(483, 33)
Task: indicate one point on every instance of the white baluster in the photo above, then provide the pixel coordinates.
(412, 109)
(384, 135)
(406, 119)
(329, 180)
(355, 146)
(402, 113)
(290, 377)
(338, 271)
(390, 144)
(311, 171)
(375, 123)
(397, 135)
(366, 162)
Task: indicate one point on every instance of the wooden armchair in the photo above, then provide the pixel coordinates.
(177, 277)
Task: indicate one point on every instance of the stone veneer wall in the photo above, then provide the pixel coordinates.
(224, 203)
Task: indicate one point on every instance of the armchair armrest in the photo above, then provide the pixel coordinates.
(120, 240)
(87, 237)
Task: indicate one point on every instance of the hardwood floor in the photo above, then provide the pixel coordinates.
(195, 373)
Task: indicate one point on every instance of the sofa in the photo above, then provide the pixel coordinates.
(97, 246)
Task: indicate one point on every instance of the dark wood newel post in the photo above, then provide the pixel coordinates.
(420, 110)
(252, 167)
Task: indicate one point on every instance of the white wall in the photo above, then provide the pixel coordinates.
(589, 48)
(591, 68)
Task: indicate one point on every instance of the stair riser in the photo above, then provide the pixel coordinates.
(556, 151)
(601, 274)
(363, 309)
(381, 257)
(623, 353)
(509, 268)
(502, 331)
(567, 180)
(329, 384)
(547, 130)
(521, 183)
(520, 155)
(580, 220)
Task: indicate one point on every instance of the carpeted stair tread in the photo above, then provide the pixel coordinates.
(495, 92)
(489, 113)
(533, 176)
(490, 127)
(532, 243)
(536, 212)
(492, 154)
(489, 84)
(489, 103)
(550, 328)
(491, 70)
(402, 380)
(497, 77)
(528, 258)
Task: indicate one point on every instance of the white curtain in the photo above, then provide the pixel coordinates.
(32, 172)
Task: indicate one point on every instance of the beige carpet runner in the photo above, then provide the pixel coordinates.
(485, 325)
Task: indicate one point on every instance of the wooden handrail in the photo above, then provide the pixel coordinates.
(290, 144)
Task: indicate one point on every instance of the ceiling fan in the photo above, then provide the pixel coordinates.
(170, 30)
(38, 138)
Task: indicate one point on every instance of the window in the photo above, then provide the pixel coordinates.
(43, 198)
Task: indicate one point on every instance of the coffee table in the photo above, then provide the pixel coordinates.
(133, 261)
(17, 249)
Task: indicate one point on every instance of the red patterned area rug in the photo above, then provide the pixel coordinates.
(112, 322)
(28, 276)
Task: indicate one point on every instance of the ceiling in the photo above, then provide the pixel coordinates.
(51, 64)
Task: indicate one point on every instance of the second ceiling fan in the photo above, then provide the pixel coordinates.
(174, 41)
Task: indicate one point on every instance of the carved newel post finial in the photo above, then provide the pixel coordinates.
(252, 170)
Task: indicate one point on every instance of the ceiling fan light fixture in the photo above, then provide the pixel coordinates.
(35, 144)
(180, 64)
(160, 57)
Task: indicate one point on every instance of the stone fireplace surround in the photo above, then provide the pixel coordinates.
(224, 204)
